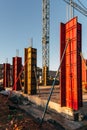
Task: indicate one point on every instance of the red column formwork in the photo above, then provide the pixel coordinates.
(84, 70)
(70, 73)
(6, 75)
(63, 66)
(84, 74)
(17, 66)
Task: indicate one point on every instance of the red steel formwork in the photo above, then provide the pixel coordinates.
(17, 66)
(84, 74)
(6, 75)
(71, 74)
(62, 71)
(84, 70)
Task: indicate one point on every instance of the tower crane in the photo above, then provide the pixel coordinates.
(45, 39)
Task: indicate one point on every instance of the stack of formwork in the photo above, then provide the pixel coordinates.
(45, 75)
(17, 66)
(84, 74)
(6, 75)
(30, 70)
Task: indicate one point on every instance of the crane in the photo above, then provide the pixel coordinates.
(45, 39)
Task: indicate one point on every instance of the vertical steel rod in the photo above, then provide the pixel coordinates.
(54, 83)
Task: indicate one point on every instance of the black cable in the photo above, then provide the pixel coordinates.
(82, 4)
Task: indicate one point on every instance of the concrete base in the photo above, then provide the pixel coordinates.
(64, 111)
(70, 114)
(66, 117)
(62, 115)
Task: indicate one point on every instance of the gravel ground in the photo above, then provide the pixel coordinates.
(12, 118)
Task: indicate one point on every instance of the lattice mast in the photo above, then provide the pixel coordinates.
(45, 35)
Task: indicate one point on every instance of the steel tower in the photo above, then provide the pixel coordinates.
(45, 39)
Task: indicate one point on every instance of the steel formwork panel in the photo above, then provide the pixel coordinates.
(17, 66)
(29, 73)
(6, 75)
(62, 70)
(72, 65)
(84, 70)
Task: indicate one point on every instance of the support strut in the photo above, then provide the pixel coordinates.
(52, 88)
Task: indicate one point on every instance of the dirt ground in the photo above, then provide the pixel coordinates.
(15, 119)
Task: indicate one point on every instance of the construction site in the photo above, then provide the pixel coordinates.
(37, 98)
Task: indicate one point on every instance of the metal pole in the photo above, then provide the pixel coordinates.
(67, 12)
(54, 83)
(71, 12)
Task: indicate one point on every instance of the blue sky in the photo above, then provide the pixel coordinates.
(21, 20)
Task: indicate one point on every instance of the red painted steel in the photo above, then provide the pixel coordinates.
(84, 74)
(17, 66)
(79, 64)
(84, 70)
(62, 70)
(72, 70)
(6, 75)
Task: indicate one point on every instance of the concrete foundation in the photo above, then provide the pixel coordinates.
(69, 119)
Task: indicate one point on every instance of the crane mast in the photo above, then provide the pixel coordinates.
(45, 39)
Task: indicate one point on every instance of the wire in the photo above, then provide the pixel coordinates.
(82, 57)
(82, 4)
(78, 7)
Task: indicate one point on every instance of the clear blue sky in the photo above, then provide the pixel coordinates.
(21, 20)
